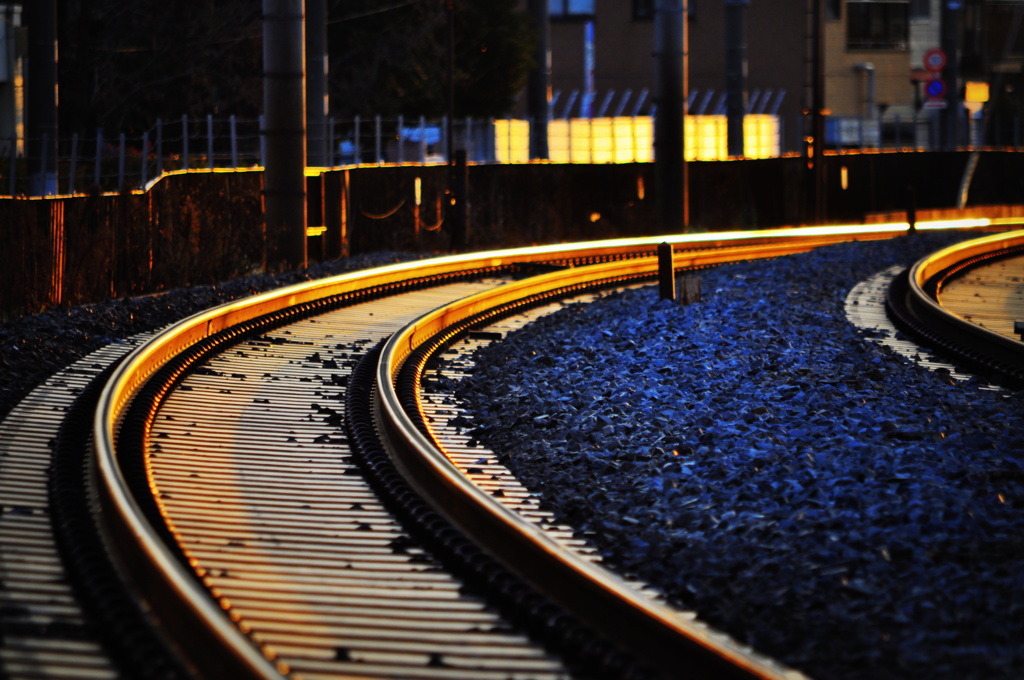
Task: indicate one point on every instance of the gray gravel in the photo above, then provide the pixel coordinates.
(753, 454)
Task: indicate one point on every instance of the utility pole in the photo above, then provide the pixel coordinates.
(317, 152)
(539, 84)
(950, 117)
(735, 73)
(815, 148)
(284, 107)
(41, 118)
(671, 66)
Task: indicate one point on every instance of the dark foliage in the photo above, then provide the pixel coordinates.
(123, 65)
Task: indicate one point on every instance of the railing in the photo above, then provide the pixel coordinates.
(113, 162)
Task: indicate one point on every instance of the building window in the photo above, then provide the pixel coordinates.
(833, 9)
(876, 25)
(571, 8)
(920, 9)
(643, 10)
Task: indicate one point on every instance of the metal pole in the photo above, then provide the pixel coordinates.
(377, 138)
(159, 147)
(949, 118)
(357, 147)
(234, 141)
(539, 84)
(184, 142)
(144, 157)
(14, 165)
(120, 162)
(284, 104)
(97, 175)
(401, 140)
(41, 19)
(816, 139)
(316, 84)
(449, 151)
(209, 140)
(74, 163)
(735, 72)
(669, 145)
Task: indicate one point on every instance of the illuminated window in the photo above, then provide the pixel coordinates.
(876, 25)
(571, 8)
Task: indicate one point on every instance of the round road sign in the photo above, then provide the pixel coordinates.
(935, 89)
(935, 60)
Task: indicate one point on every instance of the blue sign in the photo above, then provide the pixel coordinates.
(935, 89)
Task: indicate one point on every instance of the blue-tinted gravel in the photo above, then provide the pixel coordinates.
(801, 487)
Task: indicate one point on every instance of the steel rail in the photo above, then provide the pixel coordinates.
(960, 336)
(165, 586)
(655, 633)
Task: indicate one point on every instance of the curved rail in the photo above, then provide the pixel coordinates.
(168, 587)
(659, 635)
(913, 301)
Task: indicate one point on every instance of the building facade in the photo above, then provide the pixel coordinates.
(880, 58)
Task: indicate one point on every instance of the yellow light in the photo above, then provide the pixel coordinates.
(844, 178)
(976, 92)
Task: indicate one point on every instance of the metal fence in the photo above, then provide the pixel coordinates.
(114, 162)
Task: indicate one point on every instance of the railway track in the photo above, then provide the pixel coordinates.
(921, 302)
(254, 514)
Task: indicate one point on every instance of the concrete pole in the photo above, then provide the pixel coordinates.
(317, 151)
(950, 117)
(284, 106)
(816, 152)
(671, 173)
(539, 84)
(41, 118)
(735, 72)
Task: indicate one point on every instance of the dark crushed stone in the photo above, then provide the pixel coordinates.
(32, 348)
(801, 487)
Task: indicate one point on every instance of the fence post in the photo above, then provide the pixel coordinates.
(74, 163)
(263, 142)
(376, 121)
(14, 163)
(332, 156)
(423, 140)
(120, 162)
(144, 157)
(44, 171)
(357, 146)
(159, 147)
(184, 141)
(446, 131)
(234, 143)
(401, 142)
(209, 140)
(666, 272)
(97, 173)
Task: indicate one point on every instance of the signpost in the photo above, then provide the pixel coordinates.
(935, 89)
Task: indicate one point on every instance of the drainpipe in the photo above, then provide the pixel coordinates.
(869, 69)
